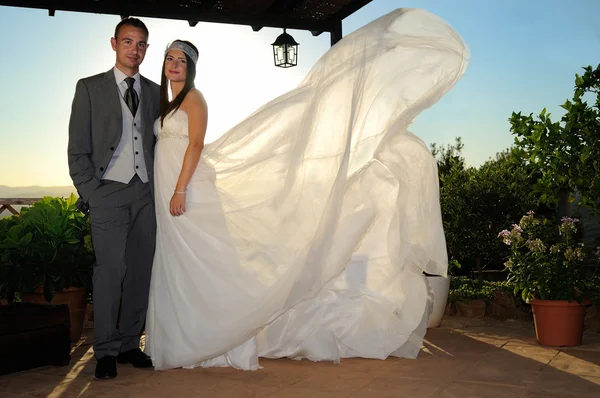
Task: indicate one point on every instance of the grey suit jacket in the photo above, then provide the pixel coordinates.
(95, 129)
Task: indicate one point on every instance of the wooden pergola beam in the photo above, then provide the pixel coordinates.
(180, 13)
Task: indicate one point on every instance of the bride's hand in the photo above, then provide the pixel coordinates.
(177, 205)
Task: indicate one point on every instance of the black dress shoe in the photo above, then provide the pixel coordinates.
(135, 357)
(106, 368)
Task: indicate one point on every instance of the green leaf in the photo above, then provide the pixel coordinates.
(585, 154)
(26, 239)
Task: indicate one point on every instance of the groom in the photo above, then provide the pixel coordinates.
(111, 157)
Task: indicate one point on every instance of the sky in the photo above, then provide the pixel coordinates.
(524, 56)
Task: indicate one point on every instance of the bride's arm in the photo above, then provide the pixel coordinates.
(197, 111)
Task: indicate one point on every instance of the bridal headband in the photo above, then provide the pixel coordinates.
(179, 45)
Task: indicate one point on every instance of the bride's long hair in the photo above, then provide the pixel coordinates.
(165, 106)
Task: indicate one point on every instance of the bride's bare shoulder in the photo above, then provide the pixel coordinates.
(194, 103)
(195, 99)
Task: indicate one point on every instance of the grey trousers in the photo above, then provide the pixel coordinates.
(123, 226)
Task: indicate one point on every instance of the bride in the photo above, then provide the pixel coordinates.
(305, 230)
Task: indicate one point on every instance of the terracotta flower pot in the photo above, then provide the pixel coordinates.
(559, 323)
(74, 297)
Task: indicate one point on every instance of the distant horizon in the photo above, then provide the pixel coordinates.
(36, 191)
(34, 186)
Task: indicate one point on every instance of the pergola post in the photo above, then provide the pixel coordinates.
(336, 33)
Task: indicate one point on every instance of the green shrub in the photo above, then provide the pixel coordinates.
(592, 288)
(47, 245)
(564, 155)
(478, 202)
(466, 289)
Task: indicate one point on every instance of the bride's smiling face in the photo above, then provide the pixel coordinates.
(176, 66)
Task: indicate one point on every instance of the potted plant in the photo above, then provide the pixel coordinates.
(546, 266)
(440, 286)
(47, 257)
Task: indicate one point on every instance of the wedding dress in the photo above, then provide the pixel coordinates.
(309, 224)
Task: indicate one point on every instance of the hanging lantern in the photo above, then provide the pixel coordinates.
(285, 51)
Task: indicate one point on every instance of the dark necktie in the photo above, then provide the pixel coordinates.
(131, 97)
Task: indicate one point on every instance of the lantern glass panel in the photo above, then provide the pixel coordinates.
(292, 55)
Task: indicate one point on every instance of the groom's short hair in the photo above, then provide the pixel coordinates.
(136, 23)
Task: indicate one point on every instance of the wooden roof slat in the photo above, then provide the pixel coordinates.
(311, 15)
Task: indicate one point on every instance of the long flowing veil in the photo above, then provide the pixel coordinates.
(331, 205)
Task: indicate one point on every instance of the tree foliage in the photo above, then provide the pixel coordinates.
(478, 202)
(565, 155)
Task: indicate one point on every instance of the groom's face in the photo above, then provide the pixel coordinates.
(130, 46)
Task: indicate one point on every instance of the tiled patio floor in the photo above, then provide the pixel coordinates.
(463, 358)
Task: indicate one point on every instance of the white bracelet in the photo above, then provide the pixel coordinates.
(180, 192)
